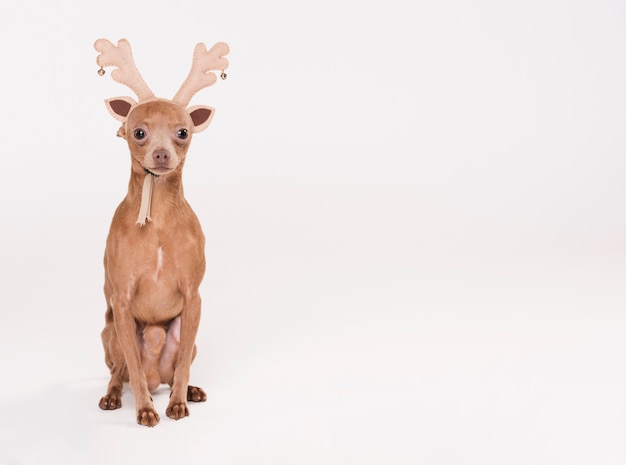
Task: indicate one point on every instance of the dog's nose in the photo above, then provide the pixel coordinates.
(161, 157)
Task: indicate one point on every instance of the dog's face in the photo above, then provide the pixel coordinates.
(158, 135)
(158, 131)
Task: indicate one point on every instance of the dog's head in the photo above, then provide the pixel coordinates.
(158, 131)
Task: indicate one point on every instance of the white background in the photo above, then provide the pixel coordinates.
(415, 222)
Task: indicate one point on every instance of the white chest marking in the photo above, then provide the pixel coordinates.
(159, 263)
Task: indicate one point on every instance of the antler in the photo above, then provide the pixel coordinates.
(200, 76)
(126, 72)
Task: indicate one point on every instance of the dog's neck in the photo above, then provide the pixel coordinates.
(153, 196)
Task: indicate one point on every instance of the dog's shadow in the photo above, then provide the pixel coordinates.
(64, 423)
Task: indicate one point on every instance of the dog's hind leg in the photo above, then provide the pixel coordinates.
(170, 352)
(152, 340)
(168, 361)
(195, 393)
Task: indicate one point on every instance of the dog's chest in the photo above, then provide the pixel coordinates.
(162, 265)
(158, 294)
(169, 260)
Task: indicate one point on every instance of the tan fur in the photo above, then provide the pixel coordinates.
(153, 272)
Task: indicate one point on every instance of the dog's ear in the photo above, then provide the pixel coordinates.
(201, 115)
(119, 107)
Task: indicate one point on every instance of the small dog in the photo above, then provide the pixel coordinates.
(154, 258)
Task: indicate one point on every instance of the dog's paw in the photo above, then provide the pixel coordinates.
(147, 417)
(177, 410)
(195, 394)
(110, 402)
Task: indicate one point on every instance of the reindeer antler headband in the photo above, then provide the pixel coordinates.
(201, 75)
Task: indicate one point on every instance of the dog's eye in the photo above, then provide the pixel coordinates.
(182, 134)
(140, 134)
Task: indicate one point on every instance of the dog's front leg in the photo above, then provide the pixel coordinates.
(126, 329)
(190, 319)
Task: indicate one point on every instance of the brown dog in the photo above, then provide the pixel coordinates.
(154, 264)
